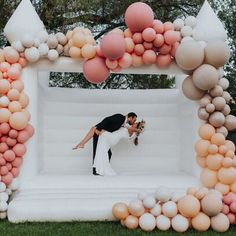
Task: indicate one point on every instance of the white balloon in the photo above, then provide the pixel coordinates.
(186, 39)
(4, 197)
(3, 215)
(36, 42)
(52, 41)
(221, 72)
(43, 36)
(4, 101)
(178, 24)
(14, 184)
(147, 222)
(3, 205)
(149, 201)
(191, 21)
(176, 197)
(202, 43)
(27, 40)
(186, 31)
(43, 49)
(163, 194)
(53, 55)
(62, 39)
(169, 209)
(142, 195)
(218, 193)
(2, 187)
(32, 54)
(18, 46)
(163, 223)
(224, 83)
(156, 210)
(8, 191)
(180, 223)
(198, 35)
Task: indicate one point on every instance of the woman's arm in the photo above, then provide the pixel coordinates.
(98, 132)
(132, 130)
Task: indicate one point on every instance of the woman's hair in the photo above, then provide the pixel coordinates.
(140, 125)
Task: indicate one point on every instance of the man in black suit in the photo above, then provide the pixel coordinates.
(111, 124)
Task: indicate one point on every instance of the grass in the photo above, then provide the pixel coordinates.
(90, 229)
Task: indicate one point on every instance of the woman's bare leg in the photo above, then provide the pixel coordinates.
(87, 137)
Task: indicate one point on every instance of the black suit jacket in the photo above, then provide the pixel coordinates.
(110, 124)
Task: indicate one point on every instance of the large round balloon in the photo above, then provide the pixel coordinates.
(113, 46)
(95, 70)
(190, 90)
(189, 55)
(139, 16)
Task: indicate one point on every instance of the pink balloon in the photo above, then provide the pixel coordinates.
(148, 45)
(9, 155)
(149, 57)
(232, 207)
(5, 128)
(171, 37)
(17, 84)
(13, 73)
(137, 61)
(113, 46)
(3, 147)
(139, 16)
(158, 26)
(165, 49)
(129, 45)
(99, 51)
(4, 66)
(13, 133)
(4, 138)
(18, 120)
(139, 49)
(137, 38)
(163, 61)
(11, 55)
(2, 161)
(149, 34)
(228, 199)
(22, 62)
(17, 162)
(231, 218)
(4, 170)
(117, 69)
(15, 172)
(30, 129)
(23, 136)
(225, 209)
(19, 149)
(7, 179)
(95, 70)
(159, 40)
(9, 166)
(174, 48)
(11, 142)
(125, 61)
(168, 26)
(111, 64)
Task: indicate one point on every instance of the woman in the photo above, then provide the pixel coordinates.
(109, 139)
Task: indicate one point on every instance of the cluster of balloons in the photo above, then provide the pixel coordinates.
(199, 208)
(229, 207)
(216, 156)
(5, 193)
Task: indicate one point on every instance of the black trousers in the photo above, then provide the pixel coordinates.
(95, 142)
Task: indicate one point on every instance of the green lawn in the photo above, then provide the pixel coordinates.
(89, 229)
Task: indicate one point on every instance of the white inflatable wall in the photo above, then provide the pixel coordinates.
(56, 182)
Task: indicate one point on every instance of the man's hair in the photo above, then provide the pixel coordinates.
(132, 114)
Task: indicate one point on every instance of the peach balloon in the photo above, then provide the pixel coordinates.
(168, 26)
(13, 73)
(214, 162)
(3, 170)
(17, 162)
(7, 179)
(4, 86)
(4, 128)
(206, 131)
(149, 57)
(88, 51)
(30, 129)
(165, 49)
(26, 113)
(137, 61)
(227, 175)
(11, 142)
(3, 147)
(191, 191)
(14, 106)
(11, 55)
(22, 62)
(128, 33)
(24, 100)
(4, 115)
(189, 206)
(9, 155)
(213, 149)
(201, 222)
(113, 46)
(18, 85)
(159, 40)
(19, 149)
(208, 178)
(4, 66)
(131, 222)
(139, 16)
(129, 45)
(149, 34)
(201, 147)
(211, 204)
(139, 49)
(111, 64)
(227, 162)
(13, 95)
(220, 223)
(78, 40)
(218, 139)
(229, 153)
(230, 145)
(95, 70)
(23, 136)
(117, 69)
(148, 45)
(172, 37)
(15, 172)
(75, 52)
(18, 121)
(201, 161)
(158, 26)
(174, 49)
(163, 61)
(125, 61)
(120, 211)
(90, 40)
(137, 38)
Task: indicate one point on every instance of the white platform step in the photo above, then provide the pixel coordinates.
(68, 198)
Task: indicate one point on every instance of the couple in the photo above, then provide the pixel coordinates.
(107, 134)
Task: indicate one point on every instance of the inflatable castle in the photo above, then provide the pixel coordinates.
(51, 182)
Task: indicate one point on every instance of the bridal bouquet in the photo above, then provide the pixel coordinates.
(141, 127)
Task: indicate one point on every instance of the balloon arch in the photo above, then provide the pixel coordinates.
(195, 46)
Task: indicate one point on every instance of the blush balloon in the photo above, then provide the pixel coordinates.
(163, 61)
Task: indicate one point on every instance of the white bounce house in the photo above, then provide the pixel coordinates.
(56, 182)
